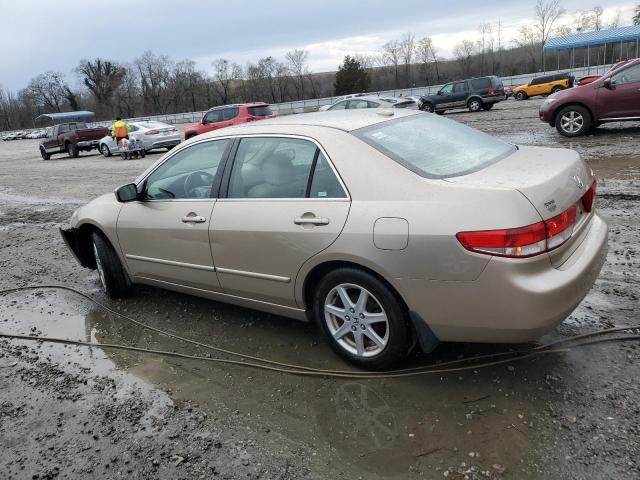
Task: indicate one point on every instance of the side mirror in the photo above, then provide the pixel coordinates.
(127, 193)
(607, 83)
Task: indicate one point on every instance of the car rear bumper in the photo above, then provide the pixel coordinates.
(512, 300)
(89, 143)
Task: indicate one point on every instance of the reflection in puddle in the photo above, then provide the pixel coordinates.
(383, 428)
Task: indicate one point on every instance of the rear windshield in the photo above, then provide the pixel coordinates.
(434, 147)
(260, 111)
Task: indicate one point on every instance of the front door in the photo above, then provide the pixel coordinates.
(282, 204)
(460, 94)
(165, 235)
(622, 99)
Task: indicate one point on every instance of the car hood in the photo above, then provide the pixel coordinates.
(552, 179)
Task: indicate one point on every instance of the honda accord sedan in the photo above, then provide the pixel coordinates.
(388, 228)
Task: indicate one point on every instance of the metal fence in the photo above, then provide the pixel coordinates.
(311, 105)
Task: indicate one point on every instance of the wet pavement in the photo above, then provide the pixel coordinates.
(568, 414)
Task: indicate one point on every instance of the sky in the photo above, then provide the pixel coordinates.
(42, 35)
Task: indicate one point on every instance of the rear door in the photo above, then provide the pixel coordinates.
(281, 203)
(622, 99)
(460, 94)
(165, 236)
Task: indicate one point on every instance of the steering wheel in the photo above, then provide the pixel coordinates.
(197, 184)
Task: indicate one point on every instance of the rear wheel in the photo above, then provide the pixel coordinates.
(104, 149)
(521, 96)
(44, 154)
(556, 89)
(114, 279)
(440, 112)
(72, 150)
(573, 121)
(487, 106)
(474, 105)
(362, 318)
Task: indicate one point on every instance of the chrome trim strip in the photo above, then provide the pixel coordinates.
(303, 199)
(617, 119)
(171, 262)
(262, 276)
(293, 312)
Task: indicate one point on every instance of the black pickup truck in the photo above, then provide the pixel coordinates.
(71, 138)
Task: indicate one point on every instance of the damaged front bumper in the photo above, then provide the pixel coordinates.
(73, 240)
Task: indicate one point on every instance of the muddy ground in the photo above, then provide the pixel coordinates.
(77, 412)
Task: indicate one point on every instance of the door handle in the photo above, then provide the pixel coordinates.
(311, 221)
(193, 219)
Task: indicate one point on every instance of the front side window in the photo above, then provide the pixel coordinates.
(339, 106)
(447, 89)
(213, 116)
(628, 75)
(189, 174)
(434, 147)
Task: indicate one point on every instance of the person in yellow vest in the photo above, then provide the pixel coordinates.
(120, 130)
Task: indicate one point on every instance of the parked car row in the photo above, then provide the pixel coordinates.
(21, 135)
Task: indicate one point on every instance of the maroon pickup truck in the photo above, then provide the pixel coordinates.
(71, 138)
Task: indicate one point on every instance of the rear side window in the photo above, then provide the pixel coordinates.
(261, 111)
(325, 183)
(459, 87)
(358, 104)
(339, 106)
(434, 147)
(480, 83)
(229, 113)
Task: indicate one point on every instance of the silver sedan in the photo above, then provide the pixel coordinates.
(151, 134)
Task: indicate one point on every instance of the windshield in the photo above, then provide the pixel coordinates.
(434, 147)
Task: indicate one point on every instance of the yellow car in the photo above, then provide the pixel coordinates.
(543, 86)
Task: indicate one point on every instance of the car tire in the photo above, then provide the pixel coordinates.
(440, 112)
(114, 279)
(487, 106)
(104, 149)
(521, 96)
(573, 121)
(44, 154)
(351, 330)
(556, 89)
(72, 150)
(427, 107)
(143, 153)
(474, 105)
(171, 147)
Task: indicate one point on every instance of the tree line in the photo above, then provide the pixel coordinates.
(154, 84)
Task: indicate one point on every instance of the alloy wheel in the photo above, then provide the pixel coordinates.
(572, 122)
(356, 320)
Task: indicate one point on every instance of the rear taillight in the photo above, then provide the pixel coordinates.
(152, 132)
(589, 197)
(522, 242)
(491, 91)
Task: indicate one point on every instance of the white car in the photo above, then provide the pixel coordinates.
(151, 134)
(371, 101)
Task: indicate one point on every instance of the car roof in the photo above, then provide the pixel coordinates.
(250, 104)
(346, 120)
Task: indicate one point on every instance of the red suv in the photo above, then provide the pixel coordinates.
(613, 98)
(226, 115)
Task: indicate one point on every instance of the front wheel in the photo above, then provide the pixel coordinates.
(427, 107)
(113, 278)
(474, 105)
(487, 106)
(44, 154)
(440, 112)
(573, 121)
(362, 318)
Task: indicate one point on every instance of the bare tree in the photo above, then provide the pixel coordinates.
(636, 16)
(154, 74)
(527, 39)
(297, 63)
(407, 51)
(48, 90)
(102, 78)
(391, 53)
(224, 75)
(426, 55)
(615, 20)
(464, 52)
(547, 13)
(597, 18)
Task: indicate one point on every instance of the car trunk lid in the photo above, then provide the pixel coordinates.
(553, 180)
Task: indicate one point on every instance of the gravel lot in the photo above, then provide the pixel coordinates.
(75, 412)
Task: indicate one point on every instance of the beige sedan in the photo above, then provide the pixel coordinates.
(388, 228)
